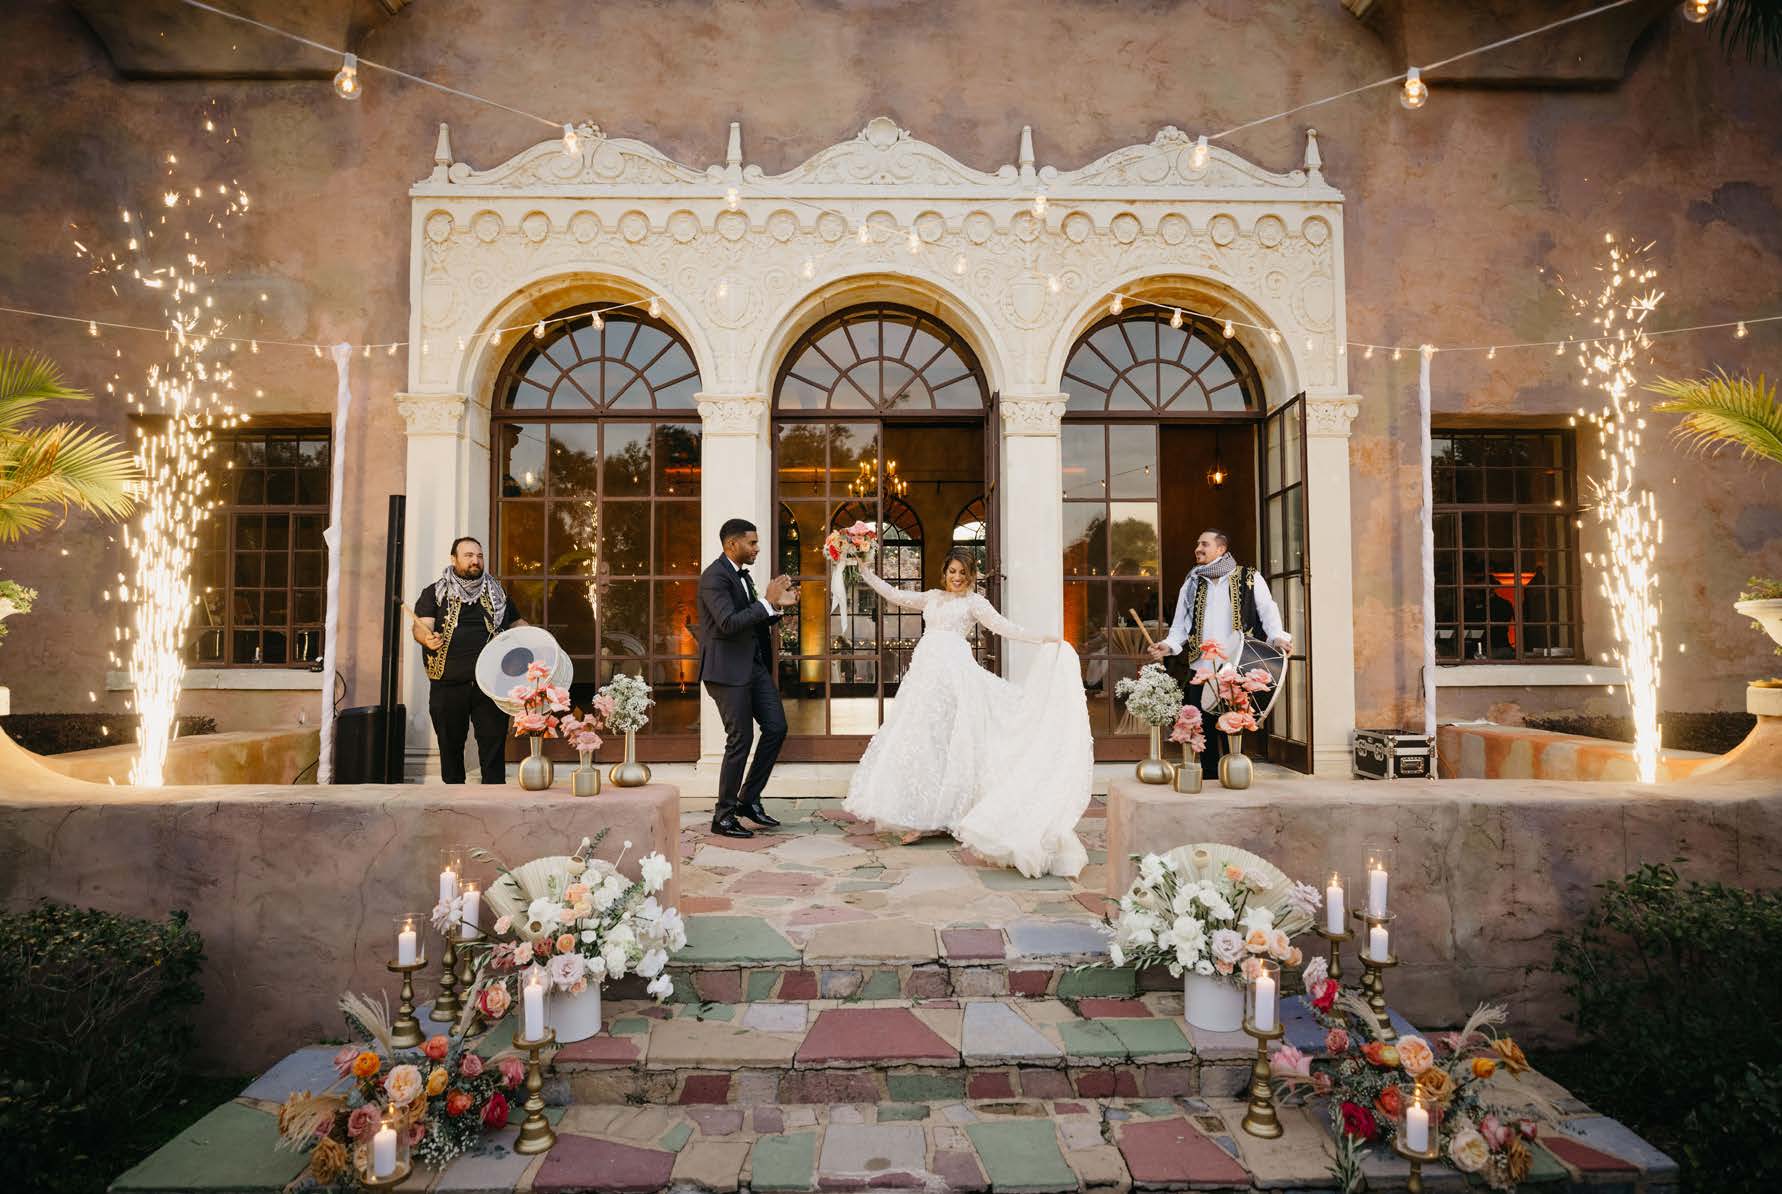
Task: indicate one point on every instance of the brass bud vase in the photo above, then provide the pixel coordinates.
(629, 773)
(1235, 769)
(1152, 769)
(1188, 775)
(536, 772)
(585, 780)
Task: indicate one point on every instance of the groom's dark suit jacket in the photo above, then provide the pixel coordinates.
(733, 630)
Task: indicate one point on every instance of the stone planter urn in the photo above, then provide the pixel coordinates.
(1759, 756)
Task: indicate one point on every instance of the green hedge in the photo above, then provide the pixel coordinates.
(98, 1033)
(59, 733)
(1676, 986)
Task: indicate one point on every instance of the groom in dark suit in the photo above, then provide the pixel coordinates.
(736, 665)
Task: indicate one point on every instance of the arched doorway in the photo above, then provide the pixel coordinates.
(596, 491)
(1166, 433)
(879, 415)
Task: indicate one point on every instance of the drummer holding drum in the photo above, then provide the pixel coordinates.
(454, 618)
(1223, 602)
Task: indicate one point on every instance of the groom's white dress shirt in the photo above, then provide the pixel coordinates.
(761, 601)
(1216, 625)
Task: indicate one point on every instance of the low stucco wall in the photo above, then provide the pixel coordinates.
(284, 756)
(1487, 874)
(1486, 751)
(295, 894)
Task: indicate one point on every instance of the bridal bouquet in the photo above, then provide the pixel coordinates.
(1235, 708)
(1369, 1082)
(623, 704)
(540, 701)
(845, 549)
(1154, 697)
(582, 921)
(1209, 909)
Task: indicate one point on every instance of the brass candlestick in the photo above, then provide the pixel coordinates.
(405, 1029)
(404, 1167)
(1373, 981)
(536, 1133)
(1417, 1160)
(447, 1005)
(1336, 951)
(1259, 1117)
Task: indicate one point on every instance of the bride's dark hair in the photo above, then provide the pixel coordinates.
(965, 556)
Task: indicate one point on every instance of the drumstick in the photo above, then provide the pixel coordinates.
(1149, 641)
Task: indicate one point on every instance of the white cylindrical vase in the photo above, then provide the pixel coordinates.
(1212, 1002)
(573, 1017)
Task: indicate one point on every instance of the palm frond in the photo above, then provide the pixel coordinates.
(63, 465)
(27, 382)
(1486, 1015)
(372, 1017)
(1753, 26)
(1719, 409)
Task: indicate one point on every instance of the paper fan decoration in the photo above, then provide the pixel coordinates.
(513, 893)
(1208, 860)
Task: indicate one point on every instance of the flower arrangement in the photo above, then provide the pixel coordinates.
(1235, 709)
(580, 920)
(540, 701)
(623, 703)
(845, 549)
(1369, 1081)
(442, 1093)
(1153, 697)
(14, 599)
(1190, 729)
(1209, 909)
(582, 731)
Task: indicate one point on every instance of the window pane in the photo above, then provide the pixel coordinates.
(677, 459)
(626, 468)
(522, 538)
(624, 619)
(571, 614)
(1084, 449)
(575, 447)
(1132, 461)
(1133, 542)
(1085, 539)
(522, 458)
(625, 538)
(677, 618)
(677, 539)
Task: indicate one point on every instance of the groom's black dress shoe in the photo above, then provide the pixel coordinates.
(756, 813)
(729, 826)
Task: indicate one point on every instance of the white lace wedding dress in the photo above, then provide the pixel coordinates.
(1004, 768)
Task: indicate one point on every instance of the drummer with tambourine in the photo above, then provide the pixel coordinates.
(1227, 603)
(454, 618)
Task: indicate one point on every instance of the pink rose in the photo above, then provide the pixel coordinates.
(1258, 679)
(1211, 650)
(436, 1047)
(513, 1071)
(523, 953)
(362, 1123)
(1288, 1062)
(343, 1059)
(1528, 1128)
(1236, 721)
(1495, 1132)
(471, 1065)
(416, 1133)
(1336, 1041)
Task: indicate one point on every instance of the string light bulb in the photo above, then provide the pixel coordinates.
(723, 287)
(1369, 354)
(959, 265)
(1416, 92)
(1228, 330)
(539, 329)
(914, 241)
(1054, 283)
(1198, 158)
(571, 143)
(1175, 317)
(599, 323)
(1274, 337)
(808, 269)
(655, 307)
(1698, 11)
(1492, 355)
(865, 233)
(1115, 305)
(346, 79)
(1039, 206)
(1396, 354)
(1741, 331)
(732, 198)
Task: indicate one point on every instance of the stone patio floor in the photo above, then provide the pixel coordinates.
(855, 1013)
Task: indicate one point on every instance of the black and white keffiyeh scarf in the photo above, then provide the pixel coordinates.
(473, 592)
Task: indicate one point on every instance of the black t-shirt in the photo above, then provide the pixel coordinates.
(468, 640)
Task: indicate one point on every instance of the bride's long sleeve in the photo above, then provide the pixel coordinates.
(994, 622)
(902, 598)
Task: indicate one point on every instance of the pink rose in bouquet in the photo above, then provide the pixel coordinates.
(1336, 1040)
(344, 1058)
(603, 707)
(1211, 650)
(1236, 721)
(513, 1071)
(1288, 1062)
(471, 1065)
(363, 1122)
(1189, 729)
(1258, 679)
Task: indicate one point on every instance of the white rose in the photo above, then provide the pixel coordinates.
(596, 969)
(623, 936)
(1258, 918)
(1468, 1151)
(615, 960)
(1203, 967)
(1228, 946)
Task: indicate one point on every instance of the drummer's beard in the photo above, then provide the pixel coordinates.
(470, 573)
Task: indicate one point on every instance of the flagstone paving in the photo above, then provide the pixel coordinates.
(855, 1013)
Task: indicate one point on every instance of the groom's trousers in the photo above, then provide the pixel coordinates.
(743, 707)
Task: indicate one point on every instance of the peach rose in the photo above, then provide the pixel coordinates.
(436, 1047)
(367, 1064)
(1234, 873)
(403, 1085)
(1415, 1054)
(566, 943)
(1256, 941)
(523, 954)
(1294, 957)
(1380, 1055)
(458, 1102)
(436, 1081)
(493, 1001)
(1437, 1084)
(1278, 945)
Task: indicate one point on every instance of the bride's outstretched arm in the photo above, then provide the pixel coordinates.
(991, 620)
(902, 598)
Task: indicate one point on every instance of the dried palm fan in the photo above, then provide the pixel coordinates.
(511, 894)
(1208, 860)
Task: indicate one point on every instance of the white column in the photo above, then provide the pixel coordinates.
(437, 502)
(1032, 489)
(734, 482)
(1331, 591)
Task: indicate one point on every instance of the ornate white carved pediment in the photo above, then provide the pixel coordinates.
(599, 160)
(883, 154)
(1168, 161)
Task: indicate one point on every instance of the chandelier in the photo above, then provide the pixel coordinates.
(867, 483)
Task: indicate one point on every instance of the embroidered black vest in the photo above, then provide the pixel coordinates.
(1244, 617)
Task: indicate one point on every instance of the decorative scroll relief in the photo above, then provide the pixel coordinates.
(432, 414)
(1331, 417)
(1169, 161)
(731, 414)
(883, 154)
(1032, 414)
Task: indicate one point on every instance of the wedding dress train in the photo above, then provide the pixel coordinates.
(1004, 768)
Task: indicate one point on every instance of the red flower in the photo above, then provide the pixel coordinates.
(495, 1111)
(436, 1048)
(1324, 993)
(458, 1102)
(1381, 1055)
(1357, 1121)
(1390, 1102)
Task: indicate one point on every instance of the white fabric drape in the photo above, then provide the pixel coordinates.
(343, 401)
(1429, 629)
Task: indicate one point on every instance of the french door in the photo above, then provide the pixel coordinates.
(1287, 566)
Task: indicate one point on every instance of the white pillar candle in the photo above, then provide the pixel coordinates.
(1376, 944)
(1334, 911)
(405, 945)
(1376, 890)
(448, 885)
(1265, 1003)
(383, 1152)
(532, 1007)
(1416, 1129)
(473, 905)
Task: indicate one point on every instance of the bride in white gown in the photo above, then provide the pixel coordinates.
(1004, 768)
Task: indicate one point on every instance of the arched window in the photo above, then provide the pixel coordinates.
(596, 504)
(1137, 362)
(881, 357)
(971, 529)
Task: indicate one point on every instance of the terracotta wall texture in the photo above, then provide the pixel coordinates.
(1452, 215)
